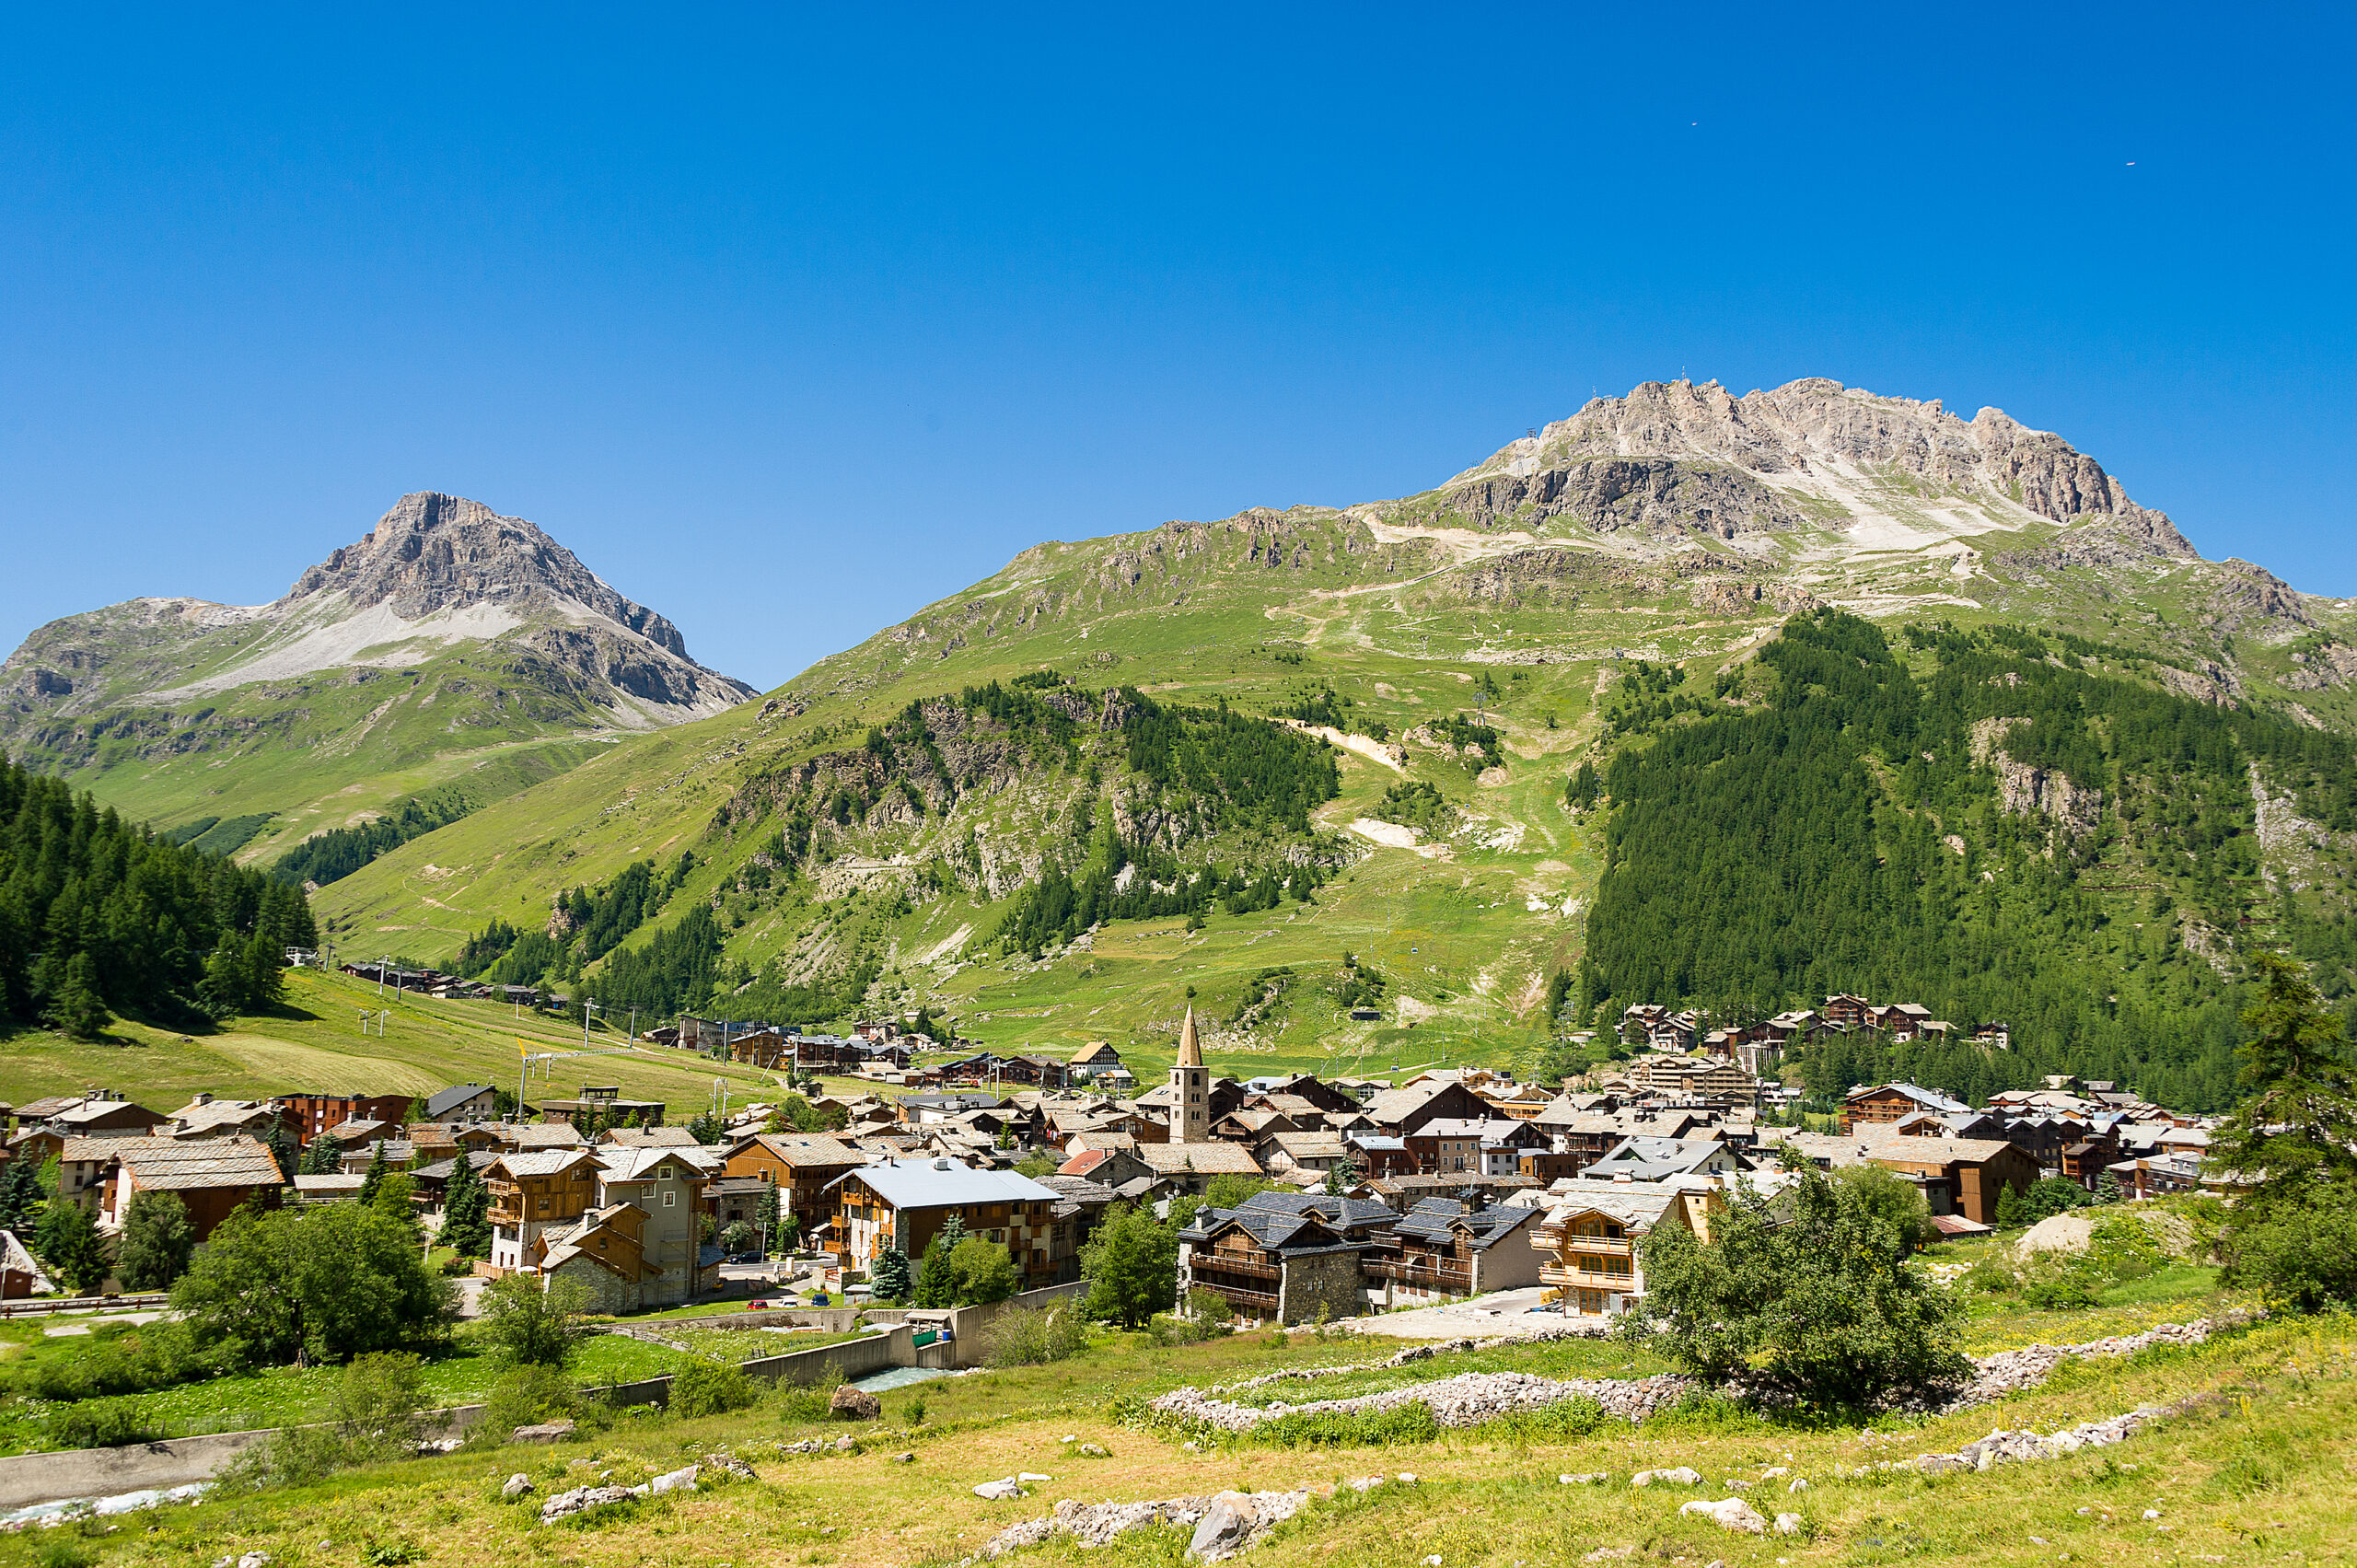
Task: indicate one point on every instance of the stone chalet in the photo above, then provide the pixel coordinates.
(1282, 1257)
(1443, 1248)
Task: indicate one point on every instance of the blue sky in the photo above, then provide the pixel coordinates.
(791, 323)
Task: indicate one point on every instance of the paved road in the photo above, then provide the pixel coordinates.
(1501, 1312)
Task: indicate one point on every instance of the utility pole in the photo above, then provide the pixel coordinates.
(587, 1007)
(382, 959)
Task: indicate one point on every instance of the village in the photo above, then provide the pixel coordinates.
(1303, 1199)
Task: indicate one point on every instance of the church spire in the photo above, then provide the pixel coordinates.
(1190, 1054)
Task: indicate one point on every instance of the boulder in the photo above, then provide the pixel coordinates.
(855, 1404)
(565, 1505)
(1591, 1478)
(682, 1480)
(1223, 1530)
(1788, 1524)
(1729, 1513)
(254, 1560)
(1684, 1475)
(547, 1432)
(1004, 1490)
(518, 1485)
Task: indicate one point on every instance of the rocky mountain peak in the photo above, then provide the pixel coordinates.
(1817, 427)
(433, 552)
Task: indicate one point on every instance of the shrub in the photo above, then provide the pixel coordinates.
(1992, 1275)
(1563, 1422)
(707, 1387)
(912, 1413)
(2303, 1256)
(529, 1326)
(100, 1423)
(528, 1396)
(1030, 1336)
(1820, 1307)
(806, 1402)
(2057, 1282)
(380, 1406)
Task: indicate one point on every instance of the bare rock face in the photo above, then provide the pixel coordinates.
(433, 552)
(2028, 789)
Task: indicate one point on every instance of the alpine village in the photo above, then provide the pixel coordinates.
(1750, 978)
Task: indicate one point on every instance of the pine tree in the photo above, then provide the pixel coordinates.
(379, 1169)
(465, 1211)
(889, 1279)
(2296, 1128)
(285, 1150)
(323, 1158)
(68, 1241)
(158, 1240)
(78, 1010)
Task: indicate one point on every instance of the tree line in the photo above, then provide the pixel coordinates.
(1807, 842)
(98, 915)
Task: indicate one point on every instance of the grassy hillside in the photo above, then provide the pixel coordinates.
(314, 1044)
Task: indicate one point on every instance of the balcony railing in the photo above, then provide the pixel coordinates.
(1224, 1263)
(1421, 1277)
(1558, 1275)
(1258, 1302)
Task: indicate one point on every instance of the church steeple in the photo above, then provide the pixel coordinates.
(1191, 1121)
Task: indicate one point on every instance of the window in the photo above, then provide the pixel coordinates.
(544, 1205)
(670, 1200)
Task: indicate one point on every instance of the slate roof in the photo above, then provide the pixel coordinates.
(652, 1138)
(798, 1149)
(540, 1162)
(549, 1135)
(163, 1164)
(1347, 1213)
(1201, 1160)
(437, 1106)
(1436, 1220)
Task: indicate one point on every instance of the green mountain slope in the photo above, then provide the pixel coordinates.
(450, 646)
(1465, 651)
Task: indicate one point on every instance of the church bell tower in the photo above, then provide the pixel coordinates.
(1191, 1121)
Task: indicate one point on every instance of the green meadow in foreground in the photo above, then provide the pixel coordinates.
(2254, 1466)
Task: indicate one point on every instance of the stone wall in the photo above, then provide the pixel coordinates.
(1329, 1280)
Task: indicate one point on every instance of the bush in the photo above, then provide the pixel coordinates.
(2057, 1282)
(2303, 1256)
(1563, 1422)
(529, 1326)
(100, 1423)
(707, 1387)
(1031, 1336)
(1895, 1202)
(808, 1402)
(1819, 1307)
(1991, 1275)
(528, 1396)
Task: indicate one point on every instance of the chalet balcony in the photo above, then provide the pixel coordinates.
(1556, 1274)
(1244, 1267)
(1420, 1276)
(1551, 1238)
(1250, 1303)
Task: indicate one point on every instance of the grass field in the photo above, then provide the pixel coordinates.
(314, 1044)
(2256, 1467)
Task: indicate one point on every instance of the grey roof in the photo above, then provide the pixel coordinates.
(442, 1170)
(1930, 1099)
(440, 1105)
(540, 1162)
(1278, 1230)
(917, 1184)
(169, 1164)
(1438, 1220)
(1347, 1213)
